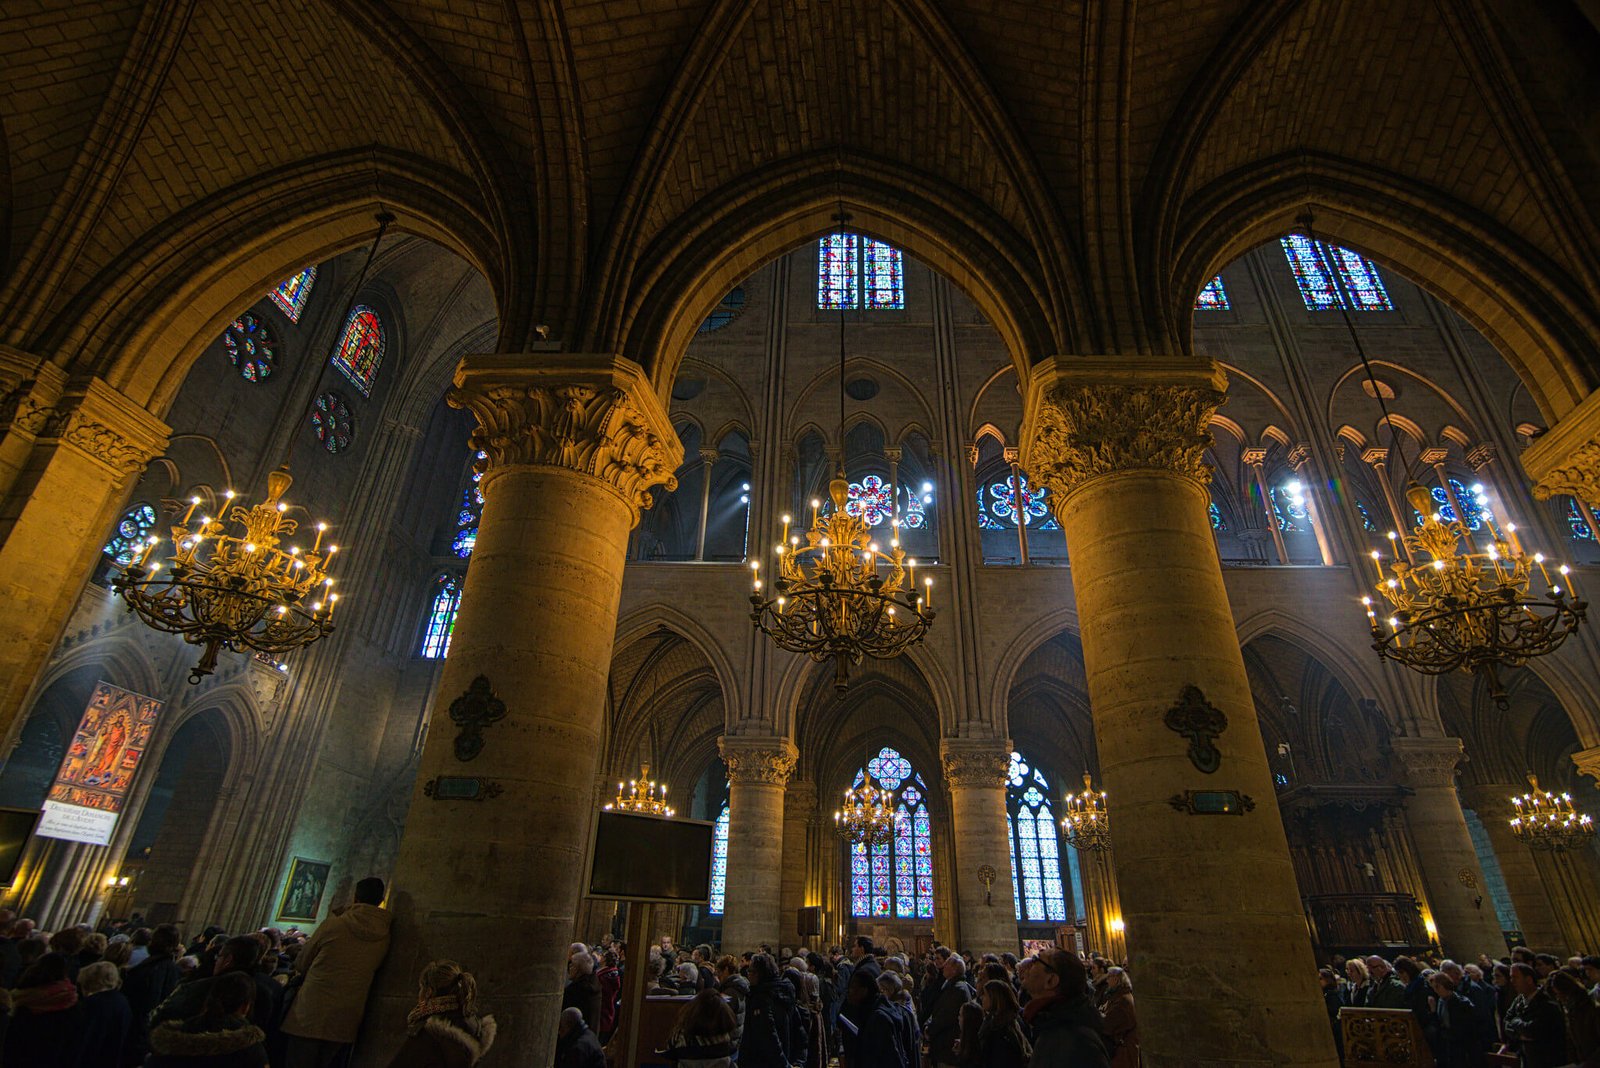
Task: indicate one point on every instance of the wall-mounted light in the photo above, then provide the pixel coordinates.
(1118, 926)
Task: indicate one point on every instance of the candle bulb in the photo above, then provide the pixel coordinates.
(927, 584)
(786, 526)
(322, 528)
(1377, 565)
(194, 502)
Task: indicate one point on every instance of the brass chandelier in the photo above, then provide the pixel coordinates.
(1449, 603)
(245, 588)
(869, 815)
(1548, 822)
(644, 796)
(1087, 823)
(838, 595)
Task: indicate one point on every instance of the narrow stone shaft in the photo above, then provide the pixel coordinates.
(494, 883)
(975, 772)
(1214, 926)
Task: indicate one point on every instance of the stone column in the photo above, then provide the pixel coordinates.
(573, 445)
(1214, 927)
(1451, 875)
(975, 772)
(1541, 930)
(66, 462)
(799, 813)
(758, 770)
(1256, 457)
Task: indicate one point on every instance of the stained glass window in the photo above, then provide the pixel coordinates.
(1218, 523)
(1213, 297)
(132, 529)
(331, 419)
(872, 500)
(726, 311)
(1474, 502)
(1035, 846)
(857, 272)
(466, 535)
(719, 861)
(250, 347)
(442, 616)
(1332, 277)
(361, 348)
(292, 293)
(1000, 505)
(1290, 509)
(1366, 518)
(895, 878)
(1578, 523)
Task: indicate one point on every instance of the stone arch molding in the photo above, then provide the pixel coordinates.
(642, 621)
(796, 679)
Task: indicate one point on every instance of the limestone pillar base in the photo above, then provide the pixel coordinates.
(1451, 875)
(975, 772)
(1214, 927)
(494, 883)
(758, 770)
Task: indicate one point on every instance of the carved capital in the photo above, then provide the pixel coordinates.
(1588, 762)
(106, 426)
(1300, 455)
(1566, 458)
(709, 456)
(1253, 456)
(1481, 455)
(980, 762)
(758, 759)
(1434, 455)
(1089, 418)
(1374, 455)
(1429, 761)
(597, 416)
(893, 453)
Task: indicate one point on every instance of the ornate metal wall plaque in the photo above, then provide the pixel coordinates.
(461, 788)
(1200, 721)
(473, 711)
(1212, 802)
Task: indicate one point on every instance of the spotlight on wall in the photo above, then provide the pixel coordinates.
(1118, 926)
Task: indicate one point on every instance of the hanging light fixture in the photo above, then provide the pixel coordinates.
(1444, 602)
(1547, 822)
(1087, 823)
(245, 588)
(869, 815)
(838, 595)
(644, 796)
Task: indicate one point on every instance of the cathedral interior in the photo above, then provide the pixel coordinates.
(1135, 325)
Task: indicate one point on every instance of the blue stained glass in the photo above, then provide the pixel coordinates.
(985, 520)
(466, 535)
(889, 768)
(1217, 522)
(870, 501)
(880, 864)
(132, 530)
(901, 869)
(291, 294)
(1473, 502)
(441, 617)
(719, 861)
(725, 312)
(882, 276)
(1288, 508)
(1331, 277)
(1577, 523)
(1213, 297)
(924, 864)
(361, 348)
(913, 517)
(1035, 860)
(925, 906)
(465, 540)
(858, 272)
(1358, 276)
(1004, 501)
(1366, 520)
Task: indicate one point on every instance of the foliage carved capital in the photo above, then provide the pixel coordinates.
(597, 416)
(756, 759)
(102, 424)
(975, 762)
(1089, 418)
(1565, 460)
(1429, 761)
(1588, 762)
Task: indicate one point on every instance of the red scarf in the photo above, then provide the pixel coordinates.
(52, 997)
(1037, 1005)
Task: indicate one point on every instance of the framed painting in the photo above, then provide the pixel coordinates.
(303, 890)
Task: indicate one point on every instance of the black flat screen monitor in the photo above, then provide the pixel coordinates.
(648, 858)
(16, 827)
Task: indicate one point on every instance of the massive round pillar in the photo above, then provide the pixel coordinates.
(758, 771)
(986, 913)
(491, 863)
(1457, 896)
(1214, 927)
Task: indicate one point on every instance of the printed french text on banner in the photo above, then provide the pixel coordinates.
(93, 782)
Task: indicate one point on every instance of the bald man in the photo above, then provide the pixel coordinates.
(576, 1045)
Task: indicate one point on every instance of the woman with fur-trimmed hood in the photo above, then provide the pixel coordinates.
(221, 1036)
(445, 1030)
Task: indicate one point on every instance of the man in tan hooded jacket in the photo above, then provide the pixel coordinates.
(338, 964)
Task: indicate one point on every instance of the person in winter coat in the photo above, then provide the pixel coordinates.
(876, 1043)
(338, 964)
(146, 985)
(1384, 991)
(444, 1030)
(1455, 1028)
(221, 1036)
(1535, 1028)
(1000, 1037)
(240, 954)
(736, 988)
(610, 979)
(1333, 1001)
(1121, 1024)
(106, 1015)
(703, 1034)
(46, 1025)
(772, 1035)
(1067, 1030)
(582, 991)
(899, 999)
(576, 1045)
(1419, 1000)
(944, 1016)
(1583, 1016)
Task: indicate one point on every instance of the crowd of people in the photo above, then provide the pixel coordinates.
(1530, 1009)
(865, 1008)
(132, 995)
